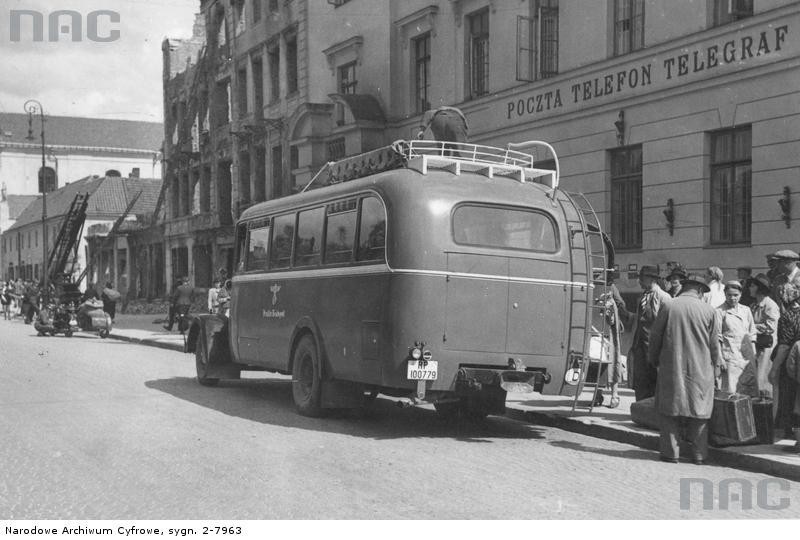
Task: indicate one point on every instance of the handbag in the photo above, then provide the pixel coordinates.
(764, 341)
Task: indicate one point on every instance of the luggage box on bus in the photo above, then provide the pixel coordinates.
(732, 420)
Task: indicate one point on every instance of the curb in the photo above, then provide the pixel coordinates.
(148, 342)
(650, 441)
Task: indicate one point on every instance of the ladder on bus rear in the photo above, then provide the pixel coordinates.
(588, 323)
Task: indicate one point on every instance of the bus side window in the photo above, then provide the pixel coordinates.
(372, 232)
(257, 246)
(282, 236)
(308, 243)
(340, 231)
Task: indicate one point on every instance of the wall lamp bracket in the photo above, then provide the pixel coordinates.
(785, 202)
(669, 213)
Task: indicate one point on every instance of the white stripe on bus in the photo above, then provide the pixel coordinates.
(384, 269)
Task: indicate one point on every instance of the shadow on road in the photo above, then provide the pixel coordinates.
(270, 402)
(633, 453)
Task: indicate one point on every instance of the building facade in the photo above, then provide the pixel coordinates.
(109, 197)
(677, 120)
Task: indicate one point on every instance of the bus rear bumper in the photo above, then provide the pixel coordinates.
(472, 379)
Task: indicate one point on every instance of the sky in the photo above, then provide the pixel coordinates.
(115, 80)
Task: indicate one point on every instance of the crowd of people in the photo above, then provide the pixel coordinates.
(697, 333)
(20, 298)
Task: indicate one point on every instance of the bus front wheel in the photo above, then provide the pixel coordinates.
(307, 377)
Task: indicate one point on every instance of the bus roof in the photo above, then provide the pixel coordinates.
(434, 159)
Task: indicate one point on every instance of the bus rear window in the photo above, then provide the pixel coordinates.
(504, 228)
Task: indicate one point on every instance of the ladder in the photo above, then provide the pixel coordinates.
(68, 235)
(588, 324)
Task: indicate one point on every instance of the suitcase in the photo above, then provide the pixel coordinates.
(765, 424)
(732, 420)
(645, 414)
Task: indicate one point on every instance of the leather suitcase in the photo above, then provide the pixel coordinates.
(765, 425)
(732, 420)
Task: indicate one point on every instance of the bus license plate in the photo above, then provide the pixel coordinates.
(428, 371)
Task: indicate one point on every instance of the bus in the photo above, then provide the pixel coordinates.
(434, 272)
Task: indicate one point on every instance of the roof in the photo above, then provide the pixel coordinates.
(18, 203)
(84, 132)
(108, 198)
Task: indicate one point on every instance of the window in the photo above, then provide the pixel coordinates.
(294, 163)
(257, 245)
(308, 244)
(422, 67)
(626, 197)
(256, 11)
(273, 6)
(35, 238)
(242, 91)
(336, 149)
(537, 42)
(505, 228)
(258, 86)
(291, 65)
(240, 13)
(222, 102)
(260, 180)
(274, 59)
(337, 3)
(340, 231)
(372, 232)
(730, 185)
(282, 235)
(727, 11)
(347, 78)
(478, 44)
(628, 26)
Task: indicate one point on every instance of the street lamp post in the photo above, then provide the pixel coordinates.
(32, 107)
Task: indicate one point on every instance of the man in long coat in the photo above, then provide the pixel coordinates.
(653, 298)
(684, 345)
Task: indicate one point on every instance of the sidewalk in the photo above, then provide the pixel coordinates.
(554, 411)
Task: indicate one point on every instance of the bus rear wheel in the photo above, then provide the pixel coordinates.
(306, 377)
(201, 363)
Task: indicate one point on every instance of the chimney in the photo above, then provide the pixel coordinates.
(134, 173)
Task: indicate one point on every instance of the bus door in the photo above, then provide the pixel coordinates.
(537, 307)
(477, 302)
(537, 299)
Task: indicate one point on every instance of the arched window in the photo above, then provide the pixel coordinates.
(48, 180)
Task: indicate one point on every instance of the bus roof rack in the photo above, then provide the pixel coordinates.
(456, 157)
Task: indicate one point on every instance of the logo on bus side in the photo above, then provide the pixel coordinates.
(275, 288)
(273, 313)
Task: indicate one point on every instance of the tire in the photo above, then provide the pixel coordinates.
(103, 333)
(201, 362)
(306, 377)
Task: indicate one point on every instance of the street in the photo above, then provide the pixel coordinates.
(101, 429)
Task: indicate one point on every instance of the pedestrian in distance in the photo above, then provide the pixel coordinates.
(653, 298)
(684, 346)
(110, 297)
(716, 290)
(5, 301)
(787, 277)
(737, 340)
(213, 297)
(765, 316)
(180, 303)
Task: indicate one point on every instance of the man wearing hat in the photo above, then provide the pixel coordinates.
(675, 278)
(786, 285)
(737, 337)
(684, 345)
(652, 300)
